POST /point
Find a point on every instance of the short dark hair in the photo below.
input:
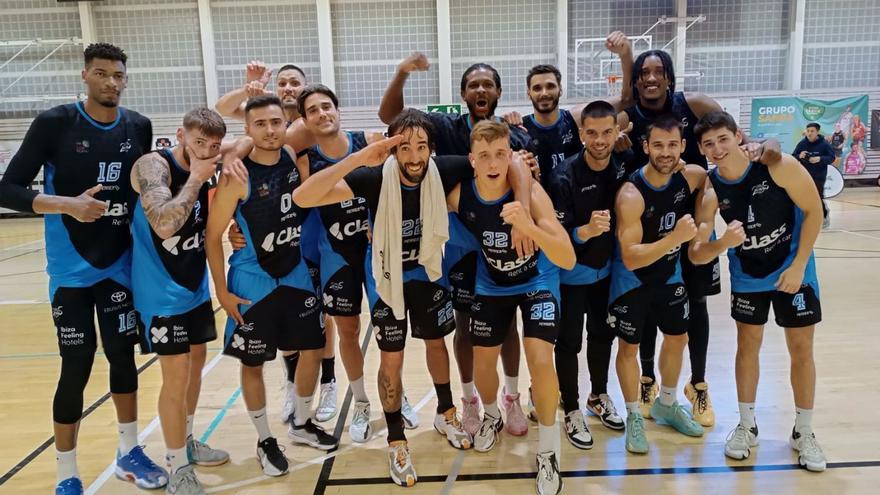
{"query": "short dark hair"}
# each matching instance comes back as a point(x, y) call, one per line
point(291, 67)
point(814, 124)
point(206, 120)
point(479, 66)
point(262, 101)
point(715, 119)
point(668, 68)
point(104, 51)
point(411, 119)
point(666, 122)
point(312, 89)
point(543, 69)
point(597, 110)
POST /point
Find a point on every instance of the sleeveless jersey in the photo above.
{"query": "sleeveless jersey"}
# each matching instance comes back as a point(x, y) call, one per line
point(452, 134)
point(677, 106)
point(555, 143)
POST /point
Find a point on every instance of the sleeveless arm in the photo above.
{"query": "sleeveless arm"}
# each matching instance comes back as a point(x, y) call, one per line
point(629, 207)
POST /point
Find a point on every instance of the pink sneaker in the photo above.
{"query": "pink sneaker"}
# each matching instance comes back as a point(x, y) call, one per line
point(470, 415)
point(515, 418)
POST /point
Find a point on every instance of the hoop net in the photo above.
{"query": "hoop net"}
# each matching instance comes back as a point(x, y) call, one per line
point(614, 84)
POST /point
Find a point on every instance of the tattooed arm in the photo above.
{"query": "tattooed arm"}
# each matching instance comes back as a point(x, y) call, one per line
point(151, 178)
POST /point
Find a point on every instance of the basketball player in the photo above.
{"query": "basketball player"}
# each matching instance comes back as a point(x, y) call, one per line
point(653, 221)
point(289, 83)
point(583, 188)
point(481, 90)
point(505, 282)
point(170, 282)
point(270, 297)
point(87, 150)
point(774, 216)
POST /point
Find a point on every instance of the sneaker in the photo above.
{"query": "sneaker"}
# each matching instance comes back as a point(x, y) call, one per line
point(517, 425)
point(487, 435)
point(825, 224)
point(184, 482)
point(312, 435)
point(577, 431)
point(604, 409)
point(70, 486)
point(470, 415)
point(410, 418)
point(360, 429)
point(271, 458)
point(289, 402)
point(201, 454)
point(549, 481)
point(701, 404)
point(648, 392)
point(327, 402)
point(677, 417)
point(400, 464)
point(448, 425)
point(530, 407)
point(740, 442)
point(636, 441)
point(139, 469)
point(810, 454)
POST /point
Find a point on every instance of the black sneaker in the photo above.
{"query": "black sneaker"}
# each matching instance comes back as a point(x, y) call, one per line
point(312, 435)
point(271, 458)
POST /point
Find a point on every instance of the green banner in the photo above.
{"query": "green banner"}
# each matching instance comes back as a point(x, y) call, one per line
point(456, 109)
point(842, 124)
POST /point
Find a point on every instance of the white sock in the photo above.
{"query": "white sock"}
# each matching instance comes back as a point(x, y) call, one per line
point(468, 391)
point(128, 437)
point(511, 385)
point(633, 408)
point(492, 410)
point(358, 394)
point(66, 465)
point(747, 414)
point(667, 395)
point(261, 423)
point(548, 439)
point(177, 459)
point(803, 420)
point(189, 425)
point(303, 410)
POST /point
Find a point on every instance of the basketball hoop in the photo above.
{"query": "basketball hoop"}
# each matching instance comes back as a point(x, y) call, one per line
point(614, 83)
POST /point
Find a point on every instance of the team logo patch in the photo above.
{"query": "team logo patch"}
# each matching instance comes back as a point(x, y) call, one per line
point(328, 300)
point(310, 302)
point(438, 295)
point(611, 321)
point(679, 291)
point(118, 297)
point(680, 196)
point(760, 188)
point(159, 335)
point(263, 190)
point(337, 285)
point(57, 311)
point(471, 216)
point(380, 313)
point(82, 146)
point(247, 327)
point(237, 342)
point(125, 146)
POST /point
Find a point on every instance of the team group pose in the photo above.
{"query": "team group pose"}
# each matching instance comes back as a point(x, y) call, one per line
point(599, 216)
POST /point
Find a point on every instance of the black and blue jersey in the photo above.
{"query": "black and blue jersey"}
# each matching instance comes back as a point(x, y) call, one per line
point(678, 107)
point(555, 143)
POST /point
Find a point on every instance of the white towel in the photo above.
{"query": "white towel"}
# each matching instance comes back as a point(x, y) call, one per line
point(388, 236)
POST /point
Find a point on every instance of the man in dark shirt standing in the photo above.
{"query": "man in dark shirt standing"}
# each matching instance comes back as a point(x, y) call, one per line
point(815, 154)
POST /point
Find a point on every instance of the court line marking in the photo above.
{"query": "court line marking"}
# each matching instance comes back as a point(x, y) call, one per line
point(19, 246)
point(861, 235)
point(454, 471)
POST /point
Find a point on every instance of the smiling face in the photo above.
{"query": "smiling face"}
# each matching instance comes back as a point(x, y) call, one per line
point(481, 93)
point(544, 92)
point(288, 85)
point(652, 83)
point(266, 126)
point(599, 135)
point(320, 115)
point(720, 144)
point(664, 149)
point(105, 80)
point(412, 155)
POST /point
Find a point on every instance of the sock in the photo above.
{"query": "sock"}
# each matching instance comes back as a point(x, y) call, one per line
point(394, 420)
point(633, 408)
point(290, 363)
point(667, 395)
point(468, 391)
point(747, 414)
point(444, 397)
point(176, 459)
point(492, 410)
point(511, 385)
point(548, 439)
point(189, 425)
point(357, 390)
point(303, 410)
point(66, 465)
point(128, 437)
point(261, 423)
point(328, 370)
point(803, 420)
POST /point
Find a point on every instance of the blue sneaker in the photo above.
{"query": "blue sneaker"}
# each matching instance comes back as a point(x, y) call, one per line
point(636, 440)
point(139, 469)
point(70, 486)
point(677, 417)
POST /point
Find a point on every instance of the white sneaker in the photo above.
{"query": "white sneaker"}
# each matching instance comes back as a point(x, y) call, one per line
point(400, 464)
point(740, 442)
point(272, 458)
point(360, 429)
point(327, 402)
point(289, 402)
point(810, 454)
point(487, 436)
point(448, 425)
point(410, 418)
point(549, 481)
point(577, 431)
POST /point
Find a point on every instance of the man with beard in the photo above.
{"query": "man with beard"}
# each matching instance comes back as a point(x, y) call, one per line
point(481, 90)
point(289, 83)
point(269, 297)
point(583, 188)
point(653, 222)
point(88, 149)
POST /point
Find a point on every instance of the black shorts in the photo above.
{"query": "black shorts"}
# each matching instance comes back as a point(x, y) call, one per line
point(172, 335)
point(700, 280)
point(491, 317)
point(463, 279)
point(667, 304)
point(790, 310)
point(343, 292)
point(429, 307)
point(288, 319)
point(74, 308)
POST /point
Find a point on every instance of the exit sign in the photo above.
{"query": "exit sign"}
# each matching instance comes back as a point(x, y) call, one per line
point(455, 109)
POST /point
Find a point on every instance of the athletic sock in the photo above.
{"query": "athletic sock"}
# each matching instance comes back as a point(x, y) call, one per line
point(65, 463)
point(803, 420)
point(189, 425)
point(667, 395)
point(128, 437)
point(177, 459)
point(492, 410)
point(394, 421)
point(328, 370)
point(511, 385)
point(548, 438)
point(444, 397)
point(468, 391)
point(633, 408)
point(303, 410)
point(261, 423)
point(290, 363)
point(357, 390)
point(747, 414)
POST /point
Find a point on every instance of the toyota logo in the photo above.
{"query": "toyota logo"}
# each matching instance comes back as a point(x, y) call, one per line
point(118, 297)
